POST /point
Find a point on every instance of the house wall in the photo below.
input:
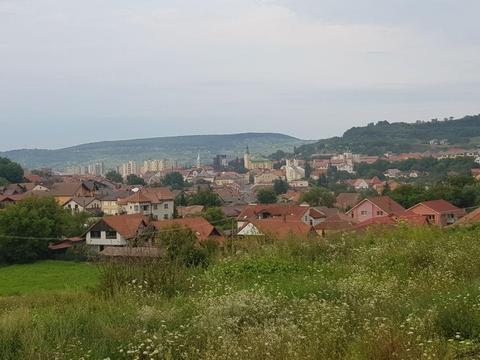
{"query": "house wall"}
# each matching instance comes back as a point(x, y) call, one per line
point(103, 241)
point(249, 230)
point(158, 211)
point(436, 218)
point(110, 207)
point(366, 211)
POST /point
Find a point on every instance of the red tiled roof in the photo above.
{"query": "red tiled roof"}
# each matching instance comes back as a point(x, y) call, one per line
point(336, 222)
point(152, 195)
point(386, 204)
point(439, 206)
point(471, 218)
point(290, 212)
point(126, 225)
point(202, 229)
point(281, 228)
point(392, 220)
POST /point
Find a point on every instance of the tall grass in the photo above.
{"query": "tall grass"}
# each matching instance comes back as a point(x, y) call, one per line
point(407, 293)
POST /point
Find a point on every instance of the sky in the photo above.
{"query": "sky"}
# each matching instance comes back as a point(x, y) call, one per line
point(73, 72)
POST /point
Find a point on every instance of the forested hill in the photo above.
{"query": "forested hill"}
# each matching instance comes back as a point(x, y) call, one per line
point(376, 139)
point(181, 148)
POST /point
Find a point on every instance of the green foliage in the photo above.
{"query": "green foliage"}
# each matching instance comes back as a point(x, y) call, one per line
point(114, 177)
point(47, 276)
point(206, 198)
point(10, 171)
point(3, 181)
point(135, 180)
point(436, 169)
point(280, 186)
point(174, 180)
point(407, 293)
point(461, 191)
point(265, 196)
point(28, 227)
point(377, 139)
point(319, 197)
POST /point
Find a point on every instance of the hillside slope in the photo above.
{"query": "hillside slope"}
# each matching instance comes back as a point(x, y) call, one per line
point(181, 148)
point(376, 139)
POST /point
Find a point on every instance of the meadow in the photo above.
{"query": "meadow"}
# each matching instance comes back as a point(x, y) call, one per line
point(395, 294)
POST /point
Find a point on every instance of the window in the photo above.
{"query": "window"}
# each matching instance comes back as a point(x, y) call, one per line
point(135, 208)
point(165, 216)
point(145, 207)
point(379, 213)
point(155, 207)
point(165, 206)
point(95, 234)
point(363, 212)
point(111, 234)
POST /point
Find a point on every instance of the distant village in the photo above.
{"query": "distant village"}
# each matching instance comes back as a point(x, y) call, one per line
point(124, 210)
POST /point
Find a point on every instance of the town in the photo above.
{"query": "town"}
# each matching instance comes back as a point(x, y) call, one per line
point(250, 197)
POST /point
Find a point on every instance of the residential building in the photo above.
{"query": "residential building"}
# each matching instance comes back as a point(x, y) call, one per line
point(202, 229)
point(82, 204)
point(115, 231)
point(335, 224)
point(129, 168)
point(268, 177)
point(303, 213)
point(277, 228)
point(373, 207)
point(438, 212)
point(157, 203)
point(345, 201)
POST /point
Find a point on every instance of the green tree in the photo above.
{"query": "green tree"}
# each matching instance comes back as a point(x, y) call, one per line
point(280, 186)
point(114, 177)
point(10, 171)
point(206, 198)
point(266, 196)
point(28, 227)
point(174, 180)
point(135, 180)
point(319, 197)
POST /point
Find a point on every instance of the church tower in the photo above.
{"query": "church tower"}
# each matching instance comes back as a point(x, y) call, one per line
point(246, 159)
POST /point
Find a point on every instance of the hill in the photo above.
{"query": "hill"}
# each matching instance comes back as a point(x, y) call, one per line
point(379, 138)
point(181, 148)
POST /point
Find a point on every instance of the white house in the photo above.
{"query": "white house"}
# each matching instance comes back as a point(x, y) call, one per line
point(155, 202)
point(114, 231)
point(81, 204)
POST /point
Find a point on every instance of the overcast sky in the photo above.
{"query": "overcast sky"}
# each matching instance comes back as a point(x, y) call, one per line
point(82, 71)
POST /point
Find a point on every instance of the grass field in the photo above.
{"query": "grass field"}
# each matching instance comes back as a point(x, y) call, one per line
point(402, 294)
point(45, 276)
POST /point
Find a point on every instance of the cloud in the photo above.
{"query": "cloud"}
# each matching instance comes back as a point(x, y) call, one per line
point(169, 67)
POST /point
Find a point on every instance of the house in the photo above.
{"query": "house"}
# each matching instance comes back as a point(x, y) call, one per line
point(346, 201)
point(476, 174)
point(438, 212)
point(66, 244)
point(81, 204)
point(392, 220)
point(372, 207)
point(303, 213)
point(157, 203)
point(109, 201)
point(190, 211)
point(335, 224)
point(278, 228)
point(202, 229)
point(360, 185)
point(117, 230)
point(470, 219)
point(268, 177)
point(64, 191)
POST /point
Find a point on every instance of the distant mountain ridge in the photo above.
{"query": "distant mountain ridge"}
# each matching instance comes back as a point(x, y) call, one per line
point(181, 148)
point(382, 137)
